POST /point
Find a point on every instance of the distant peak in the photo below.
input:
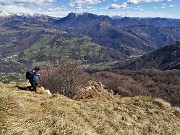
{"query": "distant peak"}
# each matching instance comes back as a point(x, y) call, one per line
point(72, 14)
point(85, 14)
point(126, 18)
point(4, 13)
point(81, 14)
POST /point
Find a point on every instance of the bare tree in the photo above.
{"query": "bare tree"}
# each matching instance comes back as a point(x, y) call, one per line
point(63, 79)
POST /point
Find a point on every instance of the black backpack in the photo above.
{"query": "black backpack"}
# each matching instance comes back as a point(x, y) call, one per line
point(28, 74)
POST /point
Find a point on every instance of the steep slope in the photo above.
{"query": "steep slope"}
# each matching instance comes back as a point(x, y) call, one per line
point(164, 58)
point(119, 39)
point(131, 36)
point(30, 113)
point(157, 36)
point(84, 20)
point(154, 83)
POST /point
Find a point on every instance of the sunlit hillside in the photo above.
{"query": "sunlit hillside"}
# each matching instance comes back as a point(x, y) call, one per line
point(92, 112)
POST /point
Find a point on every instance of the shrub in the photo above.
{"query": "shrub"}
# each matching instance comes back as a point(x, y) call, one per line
point(122, 85)
point(63, 79)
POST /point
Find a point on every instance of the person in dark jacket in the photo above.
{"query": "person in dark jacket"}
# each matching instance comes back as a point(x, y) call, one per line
point(33, 78)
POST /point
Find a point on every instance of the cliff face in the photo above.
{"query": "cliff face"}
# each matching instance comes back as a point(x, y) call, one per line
point(34, 113)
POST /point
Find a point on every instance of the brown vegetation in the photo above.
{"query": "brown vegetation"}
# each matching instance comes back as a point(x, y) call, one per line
point(63, 79)
point(29, 113)
point(69, 78)
point(154, 83)
point(121, 85)
point(161, 84)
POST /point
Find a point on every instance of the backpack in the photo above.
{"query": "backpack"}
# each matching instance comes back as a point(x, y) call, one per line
point(28, 75)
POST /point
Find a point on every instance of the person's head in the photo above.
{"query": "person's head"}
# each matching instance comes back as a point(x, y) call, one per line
point(36, 69)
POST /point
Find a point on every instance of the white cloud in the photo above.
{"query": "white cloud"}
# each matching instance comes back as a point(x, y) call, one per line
point(116, 6)
point(33, 1)
point(167, 6)
point(57, 9)
point(139, 8)
point(171, 6)
point(12, 2)
point(81, 3)
point(144, 1)
point(55, 12)
point(164, 7)
point(124, 5)
point(18, 9)
point(149, 14)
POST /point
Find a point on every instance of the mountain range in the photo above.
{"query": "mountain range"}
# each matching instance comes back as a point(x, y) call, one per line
point(133, 87)
point(28, 40)
point(131, 36)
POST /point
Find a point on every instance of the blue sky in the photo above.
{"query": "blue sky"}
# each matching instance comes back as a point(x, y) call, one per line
point(130, 8)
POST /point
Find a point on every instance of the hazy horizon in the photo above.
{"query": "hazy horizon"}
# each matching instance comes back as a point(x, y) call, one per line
point(129, 8)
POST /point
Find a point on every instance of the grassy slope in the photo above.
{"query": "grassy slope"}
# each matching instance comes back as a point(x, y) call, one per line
point(23, 112)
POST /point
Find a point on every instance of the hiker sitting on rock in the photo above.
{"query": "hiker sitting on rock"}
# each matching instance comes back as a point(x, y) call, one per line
point(31, 76)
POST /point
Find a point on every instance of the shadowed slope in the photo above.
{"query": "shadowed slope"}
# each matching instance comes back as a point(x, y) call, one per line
point(164, 58)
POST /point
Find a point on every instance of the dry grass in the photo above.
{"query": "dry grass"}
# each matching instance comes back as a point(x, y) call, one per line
point(29, 113)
